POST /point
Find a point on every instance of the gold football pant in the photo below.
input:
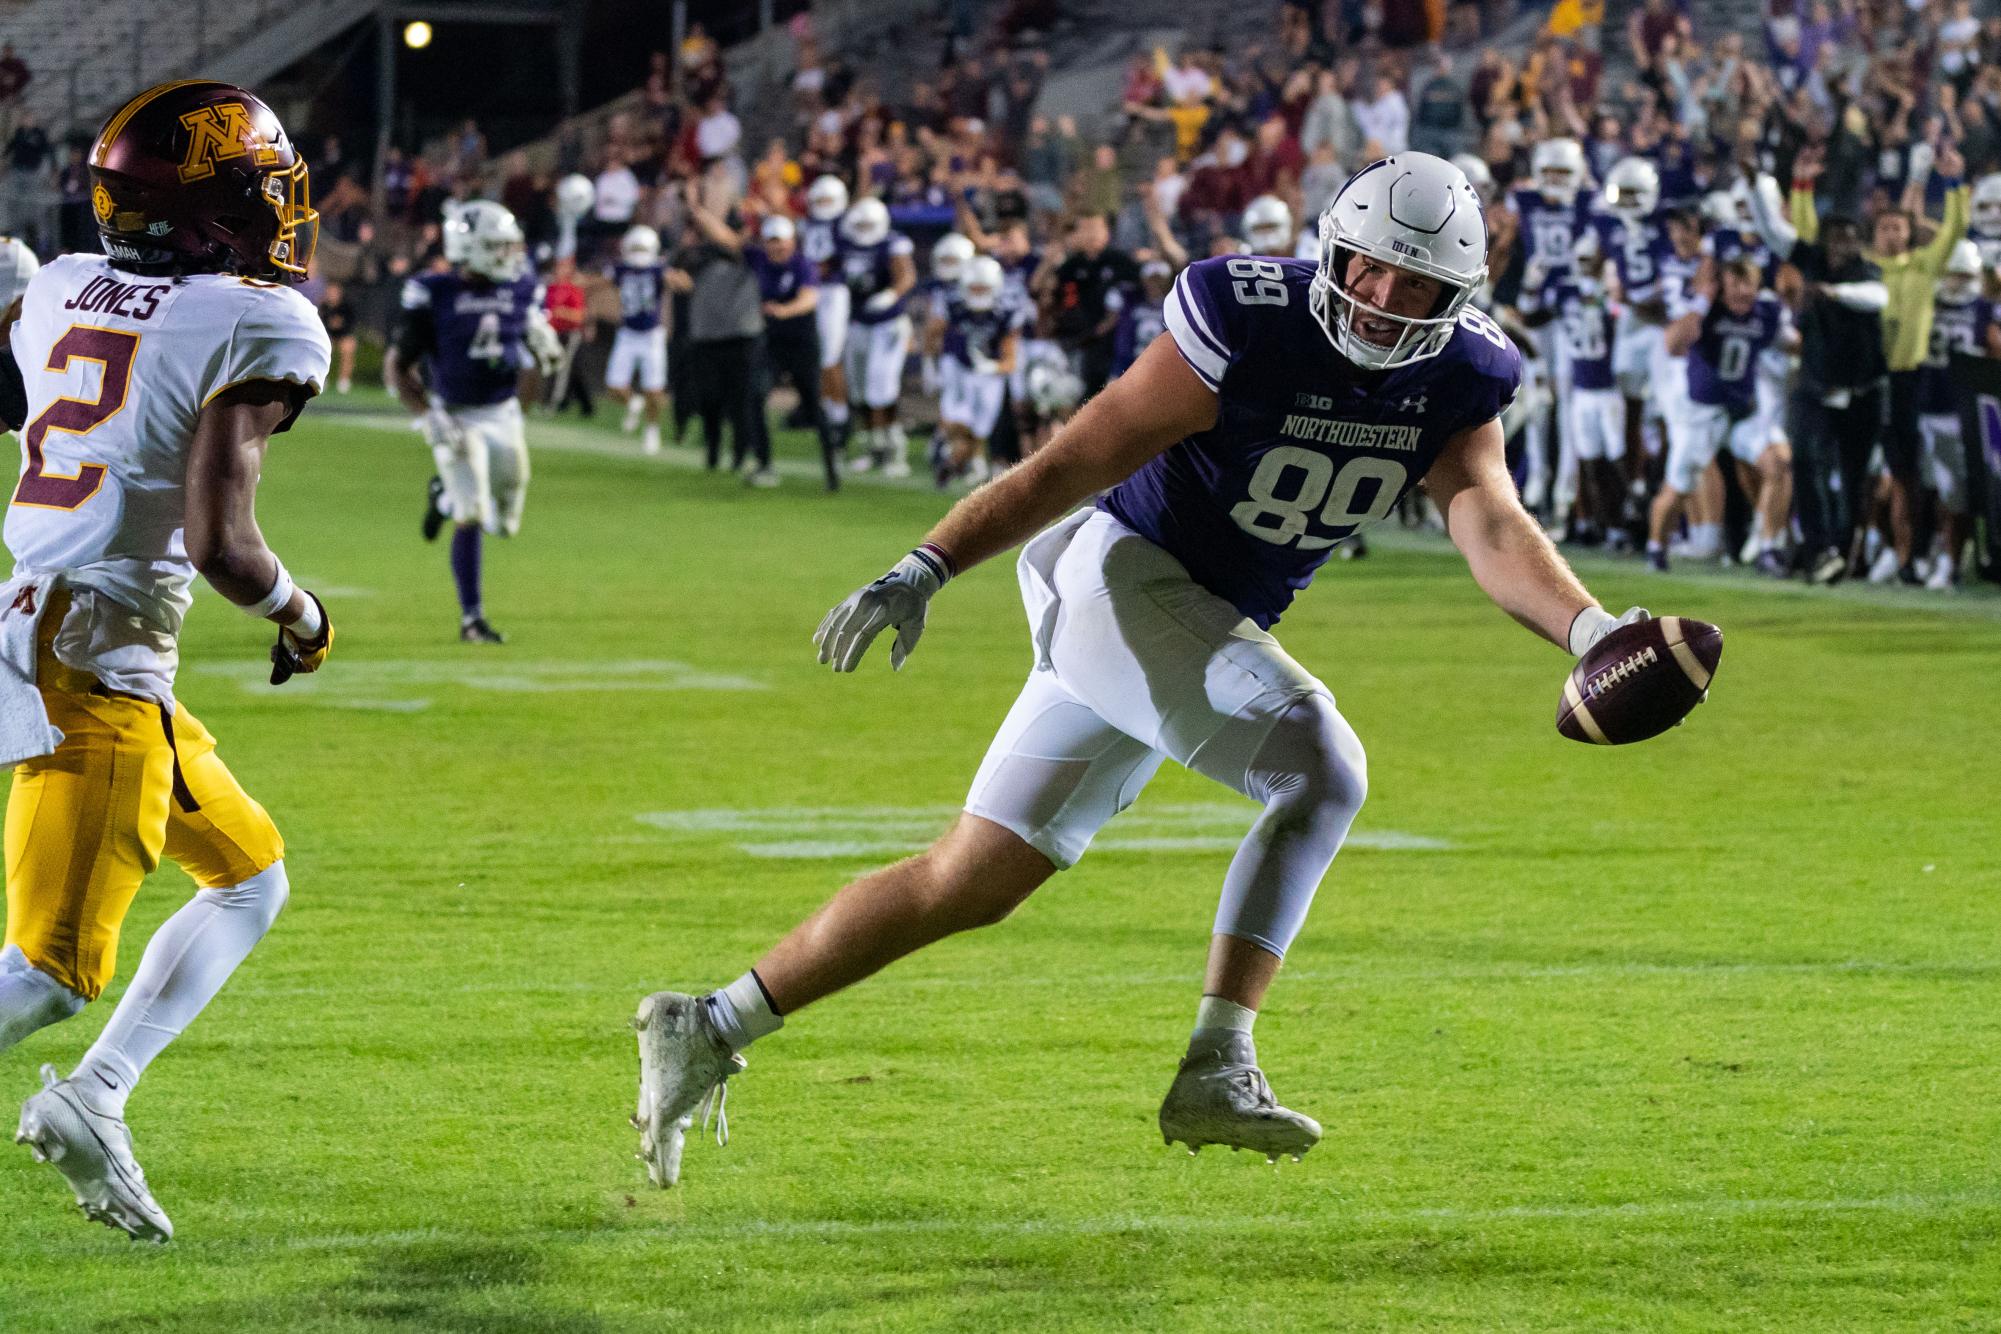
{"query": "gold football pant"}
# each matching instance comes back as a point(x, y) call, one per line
point(88, 823)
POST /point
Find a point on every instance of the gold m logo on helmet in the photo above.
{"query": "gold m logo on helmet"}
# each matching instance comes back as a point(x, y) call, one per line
point(217, 133)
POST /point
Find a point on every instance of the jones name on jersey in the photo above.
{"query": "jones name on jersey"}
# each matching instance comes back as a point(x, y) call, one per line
point(1306, 448)
point(116, 369)
point(472, 332)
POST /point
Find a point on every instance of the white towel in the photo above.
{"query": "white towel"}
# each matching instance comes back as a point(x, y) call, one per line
point(25, 730)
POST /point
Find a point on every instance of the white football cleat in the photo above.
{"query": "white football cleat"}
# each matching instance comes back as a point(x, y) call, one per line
point(94, 1153)
point(1884, 568)
point(682, 1065)
point(1221, 1097)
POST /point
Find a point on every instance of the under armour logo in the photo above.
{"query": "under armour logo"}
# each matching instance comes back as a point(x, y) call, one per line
point(1414, 403)
point(24, 602)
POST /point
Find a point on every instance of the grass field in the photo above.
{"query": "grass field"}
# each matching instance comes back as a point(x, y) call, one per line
point(1701, 1034)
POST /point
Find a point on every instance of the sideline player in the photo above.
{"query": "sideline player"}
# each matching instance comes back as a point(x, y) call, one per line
point(877, 266)
point(640, 345)
point(820, 240)
point(1960, 317)
point(477, 327)
point(1594, 414)
point(1549, 214)
point(1722, 337)
point(1289, 404)
point(156, 375)
point(981, 339)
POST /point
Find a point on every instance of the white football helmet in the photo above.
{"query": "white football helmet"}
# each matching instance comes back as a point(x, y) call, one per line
point(1987, 205)
point(574, 196)
point(1633, 188)
point(980, 288)
point(778, 227)
point(17, 266)
point(1477, 173)
point(1053, 388)
point(1722, 208)
point(639, 246)
point(1268, 226)
point(1559, 168)
point(1415, 212)
point(1960, 279)
point(827, 199)
point(950, 257)
point(483, 238)
point(866, 222)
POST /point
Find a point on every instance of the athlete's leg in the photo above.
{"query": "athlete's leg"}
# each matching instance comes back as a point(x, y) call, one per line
point(227, 842)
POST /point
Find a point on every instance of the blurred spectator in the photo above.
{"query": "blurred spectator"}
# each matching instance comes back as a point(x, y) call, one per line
point(1384, 118)
point(75, 229)
point(14, 79)
point(1090, 288)
point(567, 307)
point(25, 207)
point(1439, 123)
point(337, 314)
point(1099, 186)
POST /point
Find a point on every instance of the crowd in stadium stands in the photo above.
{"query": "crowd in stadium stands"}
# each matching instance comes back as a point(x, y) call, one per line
point(1647, 191)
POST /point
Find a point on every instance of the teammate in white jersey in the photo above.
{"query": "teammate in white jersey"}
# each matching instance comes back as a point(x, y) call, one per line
point(155, 376)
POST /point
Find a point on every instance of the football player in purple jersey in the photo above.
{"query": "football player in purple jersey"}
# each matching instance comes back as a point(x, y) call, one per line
point(1287, 404)
point(1722, 335)
point(477, 327)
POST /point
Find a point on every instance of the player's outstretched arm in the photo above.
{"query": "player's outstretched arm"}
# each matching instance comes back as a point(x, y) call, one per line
point(1511, 559)
point(1154, 405)
point(223, 540)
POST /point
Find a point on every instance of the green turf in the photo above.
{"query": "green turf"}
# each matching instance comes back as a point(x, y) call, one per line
point(1699, 1034)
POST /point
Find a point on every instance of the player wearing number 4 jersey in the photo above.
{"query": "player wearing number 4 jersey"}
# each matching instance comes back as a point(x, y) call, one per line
point(1287, 404)
point(155, 375)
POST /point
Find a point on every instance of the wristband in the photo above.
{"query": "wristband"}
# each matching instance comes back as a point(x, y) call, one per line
point(1586, 626)
point(280, 594)
point(935, 559)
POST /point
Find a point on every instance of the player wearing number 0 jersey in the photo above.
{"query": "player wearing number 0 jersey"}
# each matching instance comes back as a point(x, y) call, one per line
point(1286, 405)
point(154, 376)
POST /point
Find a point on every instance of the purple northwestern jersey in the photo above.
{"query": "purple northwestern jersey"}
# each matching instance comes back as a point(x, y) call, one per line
point(1722, 366)
point(642, 290)
point(1677, 281)
point(868, 270)
point(1549, 227)
point(820, 243)
point(1016, 275)
point(973, 333)
point(1306, 447)
point(1139, 324)
point(1585, 318)
point(1728, 243)
point(471, 332)
point(932, 298)
point(1957, 326)
point(1636, 249)
point(777, 282)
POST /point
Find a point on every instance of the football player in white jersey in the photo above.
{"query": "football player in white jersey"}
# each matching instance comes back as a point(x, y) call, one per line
point(1984, 220)
point(155, 376)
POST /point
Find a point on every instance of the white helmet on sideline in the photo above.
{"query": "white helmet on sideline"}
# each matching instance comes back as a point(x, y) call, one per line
point(1558, 166)
point(1960, 278)
point(1414, 212)
point(483, 238)
point(1268, 226)
point(866, 222)
point(574, 196)
point(826, 199)
point(1986, 214)
point(639, 246)
point(1477, 174)
point(980, 288)
point(1633, 188)
point(18, 266)
point(777, 227)
point(950, 257)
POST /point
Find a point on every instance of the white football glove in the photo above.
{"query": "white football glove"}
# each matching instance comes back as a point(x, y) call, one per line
point(985, 365)
point(897, 599)
point(928, 376)
point(1594, 623)
point(881, 301)
point(545, 345)
point(441, 431)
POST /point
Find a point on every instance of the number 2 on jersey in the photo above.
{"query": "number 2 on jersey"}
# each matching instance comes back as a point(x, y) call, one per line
point(111, 349)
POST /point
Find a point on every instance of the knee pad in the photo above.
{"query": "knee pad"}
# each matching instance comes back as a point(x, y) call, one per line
point(1312, 766)
point(264, 894)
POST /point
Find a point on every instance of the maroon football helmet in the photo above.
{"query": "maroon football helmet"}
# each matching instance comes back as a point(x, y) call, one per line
point(199, 176)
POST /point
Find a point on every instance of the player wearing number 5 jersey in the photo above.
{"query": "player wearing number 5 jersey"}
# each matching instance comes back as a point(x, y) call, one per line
point(1286, 405)
point(154, 377)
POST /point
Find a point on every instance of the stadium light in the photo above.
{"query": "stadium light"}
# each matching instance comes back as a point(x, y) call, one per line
point(417, 35)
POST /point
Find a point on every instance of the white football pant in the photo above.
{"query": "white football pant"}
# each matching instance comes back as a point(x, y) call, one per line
point(875, 355)
point(638, 350)
point(486, 473)
point(1136, 663)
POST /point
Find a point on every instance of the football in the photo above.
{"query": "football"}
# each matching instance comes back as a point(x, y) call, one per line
point(1639, 681)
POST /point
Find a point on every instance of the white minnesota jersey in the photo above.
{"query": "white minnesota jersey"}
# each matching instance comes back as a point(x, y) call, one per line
point(117, 368)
